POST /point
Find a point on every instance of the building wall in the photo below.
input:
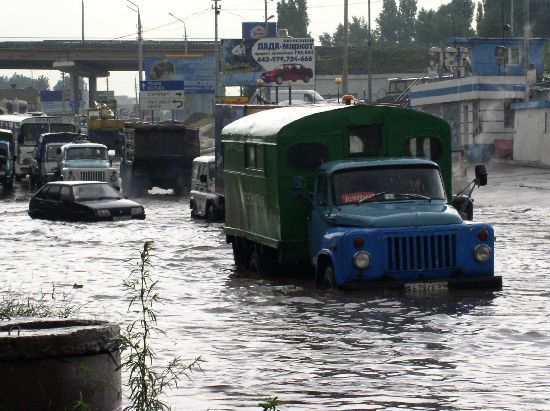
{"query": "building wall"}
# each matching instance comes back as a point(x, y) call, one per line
point(532, 135)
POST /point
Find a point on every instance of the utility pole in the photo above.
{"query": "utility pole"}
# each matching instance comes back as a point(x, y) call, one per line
point(265, 15)
point(216, 9)
point(82, 21)
point(345, 57)
point(184, 31)
point(512, 19)
point(140, 40)
point(369, 56)
point(526, 38)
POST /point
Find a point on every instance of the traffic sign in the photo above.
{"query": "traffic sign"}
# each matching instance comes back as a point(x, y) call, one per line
point(161, 95)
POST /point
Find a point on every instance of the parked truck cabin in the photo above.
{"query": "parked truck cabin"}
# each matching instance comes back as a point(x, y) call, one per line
point(273, 155)
point(26, 129)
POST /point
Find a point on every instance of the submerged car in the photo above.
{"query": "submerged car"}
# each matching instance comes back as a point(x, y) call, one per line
point(83, 201)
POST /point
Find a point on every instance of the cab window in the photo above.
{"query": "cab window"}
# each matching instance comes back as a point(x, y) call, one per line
point(322, 190)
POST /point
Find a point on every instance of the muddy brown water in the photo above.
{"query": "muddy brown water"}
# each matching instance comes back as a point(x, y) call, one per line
point(314, 350)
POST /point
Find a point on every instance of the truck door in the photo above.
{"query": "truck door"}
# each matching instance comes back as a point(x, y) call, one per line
point(317, 224)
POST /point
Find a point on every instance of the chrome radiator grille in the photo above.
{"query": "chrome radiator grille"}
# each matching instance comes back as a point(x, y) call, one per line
point(92, 175)
point(421, 252)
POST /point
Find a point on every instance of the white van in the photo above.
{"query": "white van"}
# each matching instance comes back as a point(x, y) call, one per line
point(203, 199)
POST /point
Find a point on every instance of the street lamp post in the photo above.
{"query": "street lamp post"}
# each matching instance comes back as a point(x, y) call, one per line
point(216, 9)
point(184, 31)
point(140, 40)
point(338, 81)
point(82, 21)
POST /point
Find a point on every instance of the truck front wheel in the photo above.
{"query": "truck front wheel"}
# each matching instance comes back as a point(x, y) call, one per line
point(326, 278)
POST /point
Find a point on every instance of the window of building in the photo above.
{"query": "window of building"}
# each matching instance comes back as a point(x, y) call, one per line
point(307, 156)
point(366, 140)
point(508, 114)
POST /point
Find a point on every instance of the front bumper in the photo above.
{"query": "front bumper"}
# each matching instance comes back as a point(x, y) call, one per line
point(486, 283)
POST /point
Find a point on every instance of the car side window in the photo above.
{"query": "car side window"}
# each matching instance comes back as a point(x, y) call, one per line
point(65, 194)
point(53, 193)
point(42, 193)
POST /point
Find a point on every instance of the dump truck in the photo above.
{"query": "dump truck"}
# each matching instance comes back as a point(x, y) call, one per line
point(158, 155)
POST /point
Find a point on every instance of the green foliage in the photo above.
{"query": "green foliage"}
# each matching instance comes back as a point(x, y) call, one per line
point(497, 13)
point(358, 34)
point(40, 83)
point(270, 404)
point(292, 15)
point(388, 23)
point(454, 19)
point(147, 382)
point(40, 304)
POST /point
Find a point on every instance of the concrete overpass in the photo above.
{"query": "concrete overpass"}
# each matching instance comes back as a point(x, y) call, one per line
point(91, 58)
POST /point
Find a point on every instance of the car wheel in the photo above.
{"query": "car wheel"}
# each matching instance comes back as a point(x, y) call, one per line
point(306, 79)
point(279, 80)
point(327, 278)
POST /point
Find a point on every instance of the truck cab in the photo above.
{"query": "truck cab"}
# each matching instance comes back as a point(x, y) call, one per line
point(7, 165)
point(389, 220)
point(44, 165)
point(85, 161)
point(203, 200)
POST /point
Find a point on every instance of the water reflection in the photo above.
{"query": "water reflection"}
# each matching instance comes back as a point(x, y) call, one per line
point(280, 336)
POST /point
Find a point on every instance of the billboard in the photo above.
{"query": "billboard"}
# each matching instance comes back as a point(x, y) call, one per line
point(256, 29)
point(197, 72)
point(276, 61)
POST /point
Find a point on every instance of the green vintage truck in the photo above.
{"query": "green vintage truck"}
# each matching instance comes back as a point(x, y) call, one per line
point(325, 186)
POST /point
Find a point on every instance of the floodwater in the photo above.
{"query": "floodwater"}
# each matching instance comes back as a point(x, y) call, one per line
point(314, 350)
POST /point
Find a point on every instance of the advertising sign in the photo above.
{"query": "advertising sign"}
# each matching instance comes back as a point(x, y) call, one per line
point(234, 100)
point(161, 95)
point(276, 61)
point(196, 71)
point(256, 29)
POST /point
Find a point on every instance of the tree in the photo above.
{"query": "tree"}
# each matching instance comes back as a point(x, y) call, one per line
point(433, 28)
point(388, 22)
point(358, 34)
point(292, 15)
point(407, 12)
point(20, 81)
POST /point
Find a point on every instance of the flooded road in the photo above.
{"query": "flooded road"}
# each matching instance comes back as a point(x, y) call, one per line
point(312, 349)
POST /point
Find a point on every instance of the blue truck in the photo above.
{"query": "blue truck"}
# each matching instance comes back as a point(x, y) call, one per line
point(361, 195)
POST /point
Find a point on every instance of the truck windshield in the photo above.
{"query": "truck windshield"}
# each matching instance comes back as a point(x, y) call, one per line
point(383, 184)
point(87, 153)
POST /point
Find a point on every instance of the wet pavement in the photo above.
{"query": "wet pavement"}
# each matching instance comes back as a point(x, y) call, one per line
point(314, 350)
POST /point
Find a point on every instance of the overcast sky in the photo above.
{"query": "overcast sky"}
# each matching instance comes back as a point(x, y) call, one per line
point(112, 19)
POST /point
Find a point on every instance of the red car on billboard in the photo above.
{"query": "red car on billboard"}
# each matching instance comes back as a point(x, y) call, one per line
point(287, 72)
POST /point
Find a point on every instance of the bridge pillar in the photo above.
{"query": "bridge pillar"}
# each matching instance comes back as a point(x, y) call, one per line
point(92, 85)
point(75, 92)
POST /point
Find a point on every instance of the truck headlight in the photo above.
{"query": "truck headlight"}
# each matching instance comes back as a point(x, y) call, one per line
point(103, 213)
point(137, 211)
point(71, 176)
point(361, 260)
point(114, 177)
point(482, 253)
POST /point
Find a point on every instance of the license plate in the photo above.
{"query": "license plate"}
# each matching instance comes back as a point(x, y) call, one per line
point(427, 287)
point(122, 218)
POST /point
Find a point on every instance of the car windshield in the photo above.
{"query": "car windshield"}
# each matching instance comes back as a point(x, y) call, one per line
point(91, 192)
point(87, 153)
point(384, 184)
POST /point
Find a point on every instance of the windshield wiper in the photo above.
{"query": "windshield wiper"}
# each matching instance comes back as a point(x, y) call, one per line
point(372, 196)
point(414, 195)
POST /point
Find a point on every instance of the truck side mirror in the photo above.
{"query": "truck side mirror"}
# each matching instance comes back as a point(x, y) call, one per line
point(58, 151)
point(203, 178)
point(481, 175)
